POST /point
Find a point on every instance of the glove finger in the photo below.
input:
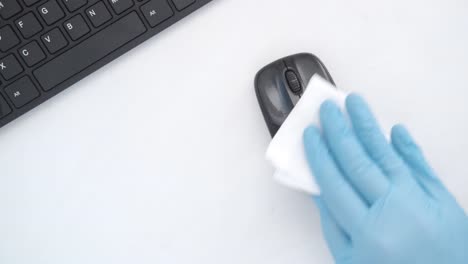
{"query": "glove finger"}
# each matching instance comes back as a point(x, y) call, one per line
point(337, 240)
point(341, 199)
point(359, 168)
point(370, 135)
point(405, 145)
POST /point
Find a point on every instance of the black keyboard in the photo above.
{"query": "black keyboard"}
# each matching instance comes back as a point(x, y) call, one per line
point(48, 45)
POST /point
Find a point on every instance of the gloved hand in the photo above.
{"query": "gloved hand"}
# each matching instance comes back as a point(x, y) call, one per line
point(381, 202)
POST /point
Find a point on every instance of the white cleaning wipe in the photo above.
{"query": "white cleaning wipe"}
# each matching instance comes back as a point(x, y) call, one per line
point(286, 150)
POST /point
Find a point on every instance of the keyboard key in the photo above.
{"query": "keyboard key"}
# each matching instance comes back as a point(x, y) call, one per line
point(54, 40)
point(30, 2)
point(28, 25)
point(32, 53)
point(76, 27)
point(8, 38)
point(51, 12)
point(10, 67)
point(89, 51)
point(156, 11)
point(21, 92)
point(98, 14)
point(120, 6)
point(73, 5)
point(9, 8)
point(182, 4)
point(4, 107)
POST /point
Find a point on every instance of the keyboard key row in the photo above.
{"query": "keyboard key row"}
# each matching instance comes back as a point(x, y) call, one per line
point(52, 12)
point(29, 26)
point(89, 51)
point(31, 53)
point(154, 11)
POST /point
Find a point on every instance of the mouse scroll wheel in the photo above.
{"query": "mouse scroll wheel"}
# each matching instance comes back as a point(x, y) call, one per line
point(293, 82)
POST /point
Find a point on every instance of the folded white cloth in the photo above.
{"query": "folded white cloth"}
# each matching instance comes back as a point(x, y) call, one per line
point(286, 150)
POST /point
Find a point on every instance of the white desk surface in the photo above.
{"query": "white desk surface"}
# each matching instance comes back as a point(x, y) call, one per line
point(158, 157)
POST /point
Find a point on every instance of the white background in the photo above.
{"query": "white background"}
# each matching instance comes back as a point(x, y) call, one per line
point(158, 157)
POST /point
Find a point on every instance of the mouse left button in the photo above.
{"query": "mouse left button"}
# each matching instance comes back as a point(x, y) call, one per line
point(293, 82)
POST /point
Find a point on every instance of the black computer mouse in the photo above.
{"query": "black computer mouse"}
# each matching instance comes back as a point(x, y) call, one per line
point(280, 84)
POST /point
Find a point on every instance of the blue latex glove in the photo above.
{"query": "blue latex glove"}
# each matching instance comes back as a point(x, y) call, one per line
point(381, 202)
